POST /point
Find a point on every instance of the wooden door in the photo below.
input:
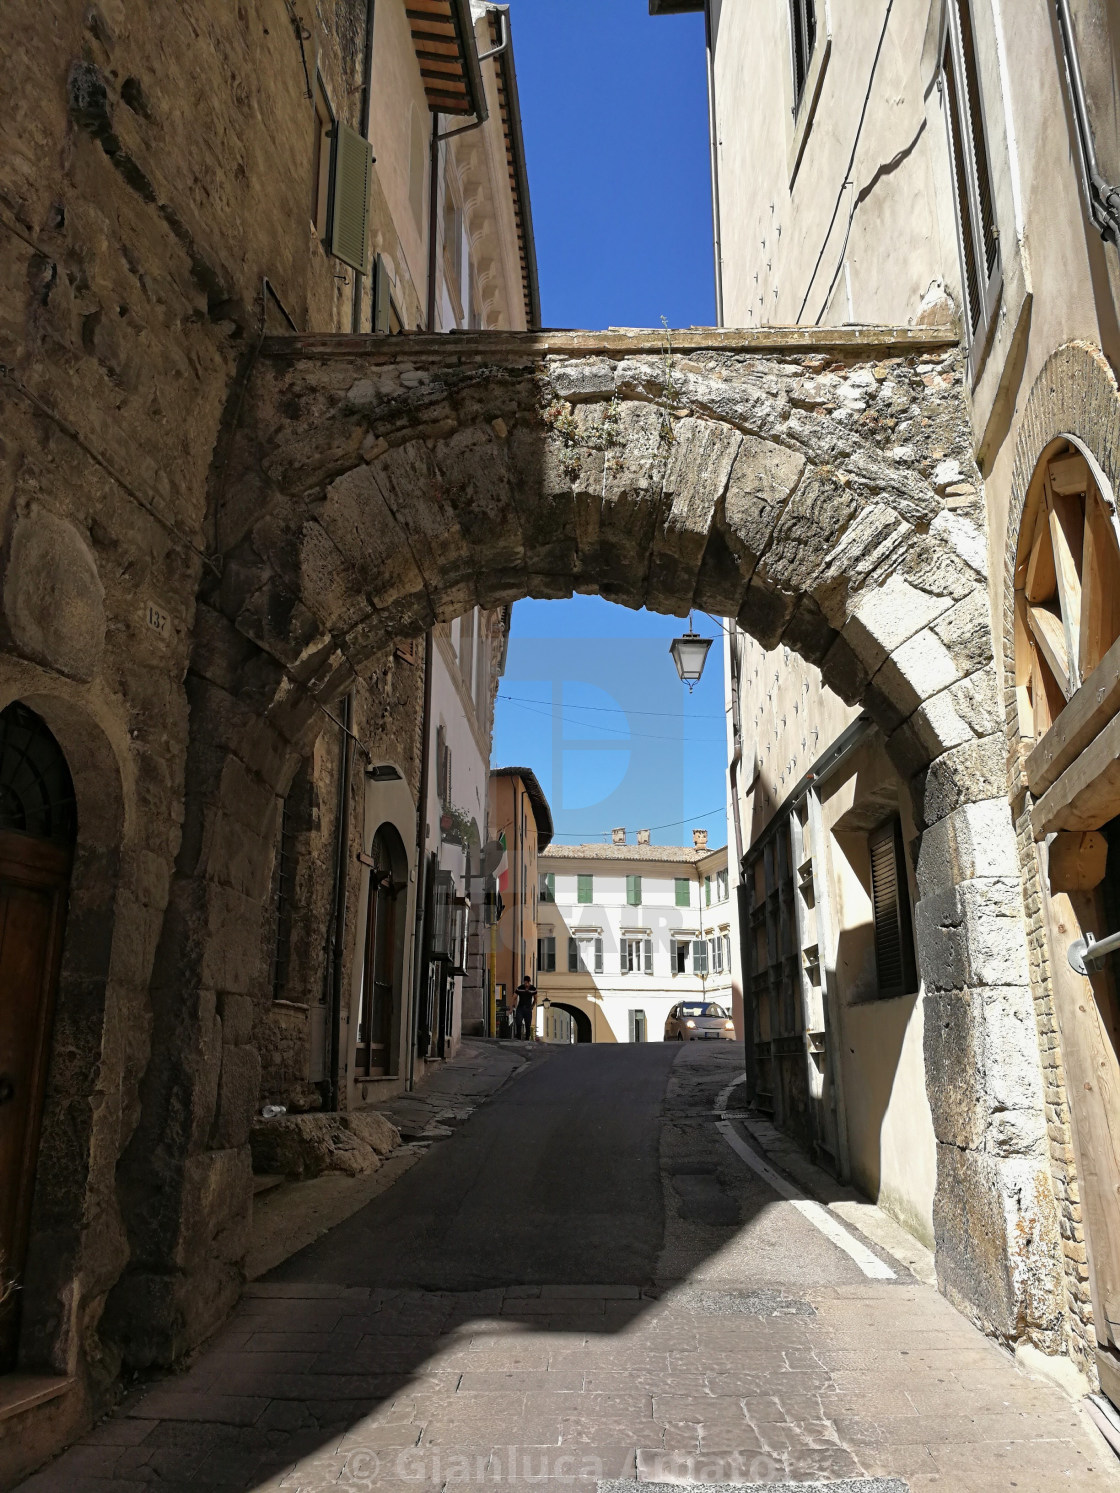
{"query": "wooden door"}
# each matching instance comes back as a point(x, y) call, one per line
point(34, 874)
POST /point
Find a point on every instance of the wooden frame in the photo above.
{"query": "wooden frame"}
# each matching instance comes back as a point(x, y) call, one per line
point(1067, 593)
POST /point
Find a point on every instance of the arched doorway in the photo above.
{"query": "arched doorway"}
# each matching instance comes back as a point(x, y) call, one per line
point(383, 964)
point(580, 1018)
point(38, 825)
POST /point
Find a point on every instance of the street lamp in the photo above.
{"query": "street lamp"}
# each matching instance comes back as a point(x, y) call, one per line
point(690, 653)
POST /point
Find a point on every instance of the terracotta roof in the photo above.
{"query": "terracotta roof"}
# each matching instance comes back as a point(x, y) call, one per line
point(682, 854)
point(443, 36)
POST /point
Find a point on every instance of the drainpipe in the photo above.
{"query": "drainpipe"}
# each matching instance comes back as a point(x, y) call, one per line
point(713, 145)
point(363, 130)
point(1102, 198)
point(341, 888)
point(421, 861)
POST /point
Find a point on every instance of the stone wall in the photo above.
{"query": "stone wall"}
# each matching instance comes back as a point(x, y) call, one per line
point(155, 171)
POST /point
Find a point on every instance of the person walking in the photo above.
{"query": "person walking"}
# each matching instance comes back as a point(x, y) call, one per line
point(526, 994)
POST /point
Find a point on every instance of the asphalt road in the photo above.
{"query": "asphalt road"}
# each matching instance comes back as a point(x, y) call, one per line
point(556, 1179)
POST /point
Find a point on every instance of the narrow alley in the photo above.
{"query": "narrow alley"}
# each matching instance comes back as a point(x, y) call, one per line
point(581, 1283)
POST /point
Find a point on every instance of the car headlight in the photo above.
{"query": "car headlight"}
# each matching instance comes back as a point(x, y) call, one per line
point(690, 1023)
point(729, 1026)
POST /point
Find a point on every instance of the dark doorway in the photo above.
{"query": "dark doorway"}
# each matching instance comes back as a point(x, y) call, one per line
point(384, 953)
point(37, 832)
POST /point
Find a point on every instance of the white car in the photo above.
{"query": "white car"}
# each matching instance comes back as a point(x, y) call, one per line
point(698, 1021)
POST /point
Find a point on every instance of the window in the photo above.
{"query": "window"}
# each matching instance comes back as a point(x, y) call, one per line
point(707, 891)
point(683, 889)
point(546, 954)
point(453, 237)
point(721, 885)
point(466, 649)
point(634, 891)
point(890, 897)
point(417, 164)
point(585, 888)
point(585, 954)
point(715, 954)
point(321, 160)
point(727, 952)
point(803, 36)
point(638, 1026)
point(977, 235)
point(637, 956)
point(443, 766)
point(548, 887)
point(699, 956)
point(680, 955)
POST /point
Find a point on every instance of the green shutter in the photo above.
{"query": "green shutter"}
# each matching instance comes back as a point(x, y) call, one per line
point(351, 175)
point(585, 889)
point(684, 891)
point(634, 891)
point(707, 891)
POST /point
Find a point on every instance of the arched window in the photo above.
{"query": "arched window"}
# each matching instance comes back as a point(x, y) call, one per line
point(36, 791)
point(383, 967)
point(1067, 585)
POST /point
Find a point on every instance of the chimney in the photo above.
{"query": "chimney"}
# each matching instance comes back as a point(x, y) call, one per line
point(618, 837)
point(643, 837)
point(699, 839)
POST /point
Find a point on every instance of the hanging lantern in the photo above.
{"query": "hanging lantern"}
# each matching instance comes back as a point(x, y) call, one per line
point(690, 653)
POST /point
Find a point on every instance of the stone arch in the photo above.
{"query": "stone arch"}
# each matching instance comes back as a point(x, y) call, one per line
point(1074, 398)
point(89, 1098)
point(817, 486)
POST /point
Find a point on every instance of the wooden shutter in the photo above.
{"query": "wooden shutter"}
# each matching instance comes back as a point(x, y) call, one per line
point(351, 175)
point(599, 956)
point(683, 889)
point(894, 942)
point(634, 891)
point(585, 889)
point(648, 950)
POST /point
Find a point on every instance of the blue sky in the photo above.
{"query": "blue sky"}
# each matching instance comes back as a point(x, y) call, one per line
point(615, 115)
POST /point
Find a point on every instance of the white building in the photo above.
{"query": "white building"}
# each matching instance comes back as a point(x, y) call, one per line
point(626, 931)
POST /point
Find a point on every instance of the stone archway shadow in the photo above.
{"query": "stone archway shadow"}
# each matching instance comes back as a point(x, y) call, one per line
point(815, 485)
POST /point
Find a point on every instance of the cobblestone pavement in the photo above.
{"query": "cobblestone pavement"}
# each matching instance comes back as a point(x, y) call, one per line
point(736, 1344)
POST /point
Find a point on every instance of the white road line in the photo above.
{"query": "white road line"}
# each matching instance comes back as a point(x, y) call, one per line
point(818, 1215)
